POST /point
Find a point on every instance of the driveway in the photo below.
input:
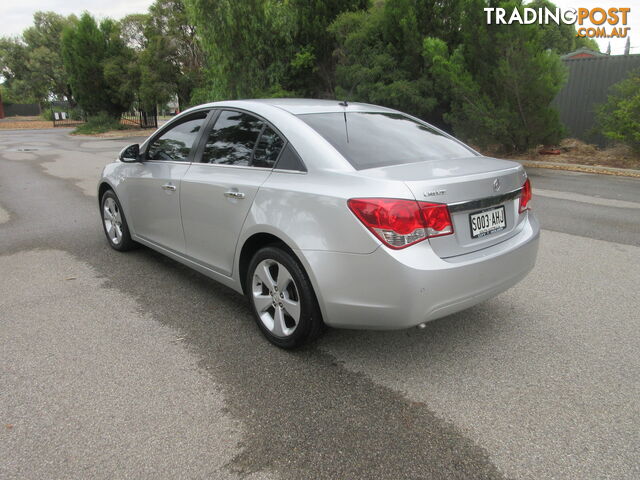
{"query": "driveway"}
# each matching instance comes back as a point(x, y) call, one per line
point(133, 366)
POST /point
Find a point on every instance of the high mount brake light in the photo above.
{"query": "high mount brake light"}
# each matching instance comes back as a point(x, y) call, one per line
point(525, 196)
point(400, 223)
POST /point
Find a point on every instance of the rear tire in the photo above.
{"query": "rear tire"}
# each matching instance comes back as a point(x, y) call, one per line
point(114, 223)
point(282, 299)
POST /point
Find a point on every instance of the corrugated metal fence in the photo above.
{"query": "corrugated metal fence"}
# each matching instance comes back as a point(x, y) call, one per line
point(588, 86)
point(19, 109)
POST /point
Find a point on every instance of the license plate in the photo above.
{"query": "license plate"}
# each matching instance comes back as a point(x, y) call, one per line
point(487, 221)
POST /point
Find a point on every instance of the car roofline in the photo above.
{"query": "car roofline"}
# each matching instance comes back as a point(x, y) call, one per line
point(296, 106)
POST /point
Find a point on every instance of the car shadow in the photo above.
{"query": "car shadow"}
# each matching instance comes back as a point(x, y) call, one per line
point(303, 414)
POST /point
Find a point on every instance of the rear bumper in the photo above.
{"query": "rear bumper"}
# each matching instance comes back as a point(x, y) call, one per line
point(395, 289)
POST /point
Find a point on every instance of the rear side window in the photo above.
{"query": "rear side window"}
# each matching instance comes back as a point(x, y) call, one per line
point(176, 143)
point(267, 149)
point(289, 160)
point(379, 139)
point(232, 139)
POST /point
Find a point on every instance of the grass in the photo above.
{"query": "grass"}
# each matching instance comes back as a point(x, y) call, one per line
point(100, 123)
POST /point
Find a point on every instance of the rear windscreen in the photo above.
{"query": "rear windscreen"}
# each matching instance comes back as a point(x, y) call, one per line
point(375, 139)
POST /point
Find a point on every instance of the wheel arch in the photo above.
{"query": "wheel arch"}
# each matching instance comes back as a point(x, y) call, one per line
point(254, 243)
point(105, 185)
point(102, 188)
point(261, 239)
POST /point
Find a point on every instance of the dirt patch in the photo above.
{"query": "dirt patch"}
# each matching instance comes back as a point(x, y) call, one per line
point(574, 167)
point(37, 123)
point(24, 123)
point(21, 118)
point(575, 151)
point(129, 132)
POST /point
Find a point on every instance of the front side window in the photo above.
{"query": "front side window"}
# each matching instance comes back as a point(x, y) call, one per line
point(232, 139)
point(176, 143)
point(379, 139)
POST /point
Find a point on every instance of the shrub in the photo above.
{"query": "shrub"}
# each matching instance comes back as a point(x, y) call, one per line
point(100, 123)
point(619, 116)
point(72, 113)
point(47, 114)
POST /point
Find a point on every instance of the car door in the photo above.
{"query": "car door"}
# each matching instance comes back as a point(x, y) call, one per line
point(218, 190)
point(154, 188)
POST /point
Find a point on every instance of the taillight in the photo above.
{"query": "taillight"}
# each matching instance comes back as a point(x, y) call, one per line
point(525, 196)
point(400, 223)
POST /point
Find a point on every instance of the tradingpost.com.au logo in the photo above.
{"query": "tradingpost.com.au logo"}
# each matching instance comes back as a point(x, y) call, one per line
point(608, 23)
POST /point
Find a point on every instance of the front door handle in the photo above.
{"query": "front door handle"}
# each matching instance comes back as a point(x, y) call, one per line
point(234, 194)
point(168, 186)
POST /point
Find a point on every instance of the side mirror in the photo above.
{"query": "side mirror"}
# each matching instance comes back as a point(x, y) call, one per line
point(130, 154)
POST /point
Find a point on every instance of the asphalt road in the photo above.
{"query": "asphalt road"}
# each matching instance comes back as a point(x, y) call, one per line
point(132, 366)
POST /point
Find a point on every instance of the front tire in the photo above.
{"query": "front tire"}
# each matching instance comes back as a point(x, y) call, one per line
point(114, 223)
point(282, 299)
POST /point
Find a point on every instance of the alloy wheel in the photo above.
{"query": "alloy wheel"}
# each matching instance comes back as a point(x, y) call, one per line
point(112, 220)
point(275, 297)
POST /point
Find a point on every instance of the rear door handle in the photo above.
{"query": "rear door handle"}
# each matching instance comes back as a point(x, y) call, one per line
point(234, 194)
point(168, 186)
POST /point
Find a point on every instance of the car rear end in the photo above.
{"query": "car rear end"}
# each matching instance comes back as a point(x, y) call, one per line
point(463, 234)
point(426, 270)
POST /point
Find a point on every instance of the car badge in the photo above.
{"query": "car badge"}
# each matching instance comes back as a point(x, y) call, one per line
point(496, 185)
point(435, 193)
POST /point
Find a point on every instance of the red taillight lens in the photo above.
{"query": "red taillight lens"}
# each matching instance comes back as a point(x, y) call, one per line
point(525, 196)
point(436, 219)
point(400, 223)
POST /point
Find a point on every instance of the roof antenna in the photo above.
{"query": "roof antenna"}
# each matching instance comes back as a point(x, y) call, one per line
point(345, 103)
point(346, 125)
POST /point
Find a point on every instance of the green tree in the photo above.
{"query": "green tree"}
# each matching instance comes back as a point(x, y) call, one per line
point(379, 53)
point(247, 45)
point(586, 42)
point(17, 77)
point(132, 28)
point(99, 66)
point(619, 116)
point(500, 81)
point(311, 70)
point(32, 64)
point(561, 38)
point(172, 61)
point(442, 62)
point(268, 47)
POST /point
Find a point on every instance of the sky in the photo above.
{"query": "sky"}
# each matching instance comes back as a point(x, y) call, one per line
point(16, 15)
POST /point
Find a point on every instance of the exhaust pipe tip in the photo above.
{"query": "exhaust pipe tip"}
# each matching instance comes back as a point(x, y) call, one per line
point(422, 326)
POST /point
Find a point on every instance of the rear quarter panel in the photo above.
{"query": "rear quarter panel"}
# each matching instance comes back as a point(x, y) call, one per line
point(310, 212)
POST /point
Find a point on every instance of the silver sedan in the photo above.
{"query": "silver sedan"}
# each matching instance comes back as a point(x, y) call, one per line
point(324, 213)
